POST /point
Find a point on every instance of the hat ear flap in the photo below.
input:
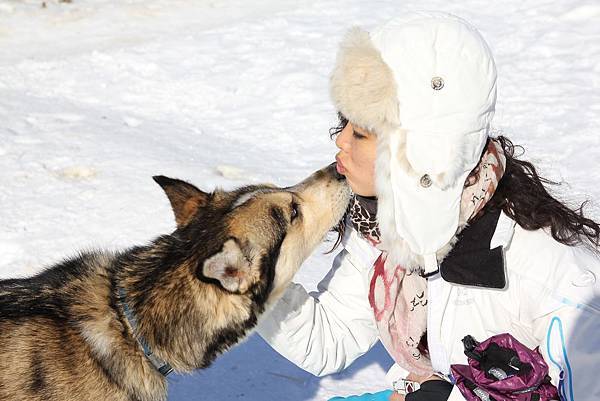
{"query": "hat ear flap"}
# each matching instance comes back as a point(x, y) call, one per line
point(230, 268)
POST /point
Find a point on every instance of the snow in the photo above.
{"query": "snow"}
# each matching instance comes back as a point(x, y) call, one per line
point(97, 96)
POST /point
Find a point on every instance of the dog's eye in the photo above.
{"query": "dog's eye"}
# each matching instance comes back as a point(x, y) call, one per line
point(295, 212)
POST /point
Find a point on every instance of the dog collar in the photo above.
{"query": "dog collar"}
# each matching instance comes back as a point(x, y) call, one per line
point(164, 368)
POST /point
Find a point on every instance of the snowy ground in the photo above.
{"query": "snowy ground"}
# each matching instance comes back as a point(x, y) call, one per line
point(96, 96)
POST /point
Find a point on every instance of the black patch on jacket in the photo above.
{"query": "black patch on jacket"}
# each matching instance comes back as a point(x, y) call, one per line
point(471, 261)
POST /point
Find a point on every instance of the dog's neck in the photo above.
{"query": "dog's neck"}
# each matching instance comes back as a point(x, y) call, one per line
point(163, 367)
point(185, 321)
point(105, 330)
point(150, 292)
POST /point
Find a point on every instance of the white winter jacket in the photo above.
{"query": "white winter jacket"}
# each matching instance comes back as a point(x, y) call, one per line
point(551, 300)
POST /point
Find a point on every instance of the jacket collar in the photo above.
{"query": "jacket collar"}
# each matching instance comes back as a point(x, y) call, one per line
point(477, 258)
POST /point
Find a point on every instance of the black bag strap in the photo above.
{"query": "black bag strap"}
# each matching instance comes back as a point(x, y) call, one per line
point(470, 344)
point(478, 391)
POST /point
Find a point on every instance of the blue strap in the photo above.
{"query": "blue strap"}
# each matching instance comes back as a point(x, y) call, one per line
point(379, 396)
point(164, 368)
point(556, 322)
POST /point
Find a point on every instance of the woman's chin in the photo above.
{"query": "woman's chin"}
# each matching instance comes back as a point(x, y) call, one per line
point(360, 190)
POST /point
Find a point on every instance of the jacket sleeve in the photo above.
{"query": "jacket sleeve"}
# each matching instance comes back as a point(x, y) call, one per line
point(566, 318)
point(324, 332)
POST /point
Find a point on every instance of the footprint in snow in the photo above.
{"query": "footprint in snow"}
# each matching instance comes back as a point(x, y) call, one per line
point(231, 172)
point(582, 13)
point(77, 173)
point(46, 121)
point(132, 122)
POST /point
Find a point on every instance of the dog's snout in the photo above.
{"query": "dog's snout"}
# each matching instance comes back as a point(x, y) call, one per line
point(332, 169)
point(327, 176)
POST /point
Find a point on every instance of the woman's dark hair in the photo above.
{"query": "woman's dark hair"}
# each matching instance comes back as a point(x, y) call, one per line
point(342, 122)
point(522, 195)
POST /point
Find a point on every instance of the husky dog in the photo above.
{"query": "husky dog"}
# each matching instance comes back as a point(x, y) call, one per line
point(109, 326)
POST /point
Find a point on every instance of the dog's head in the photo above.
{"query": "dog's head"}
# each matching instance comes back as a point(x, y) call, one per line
point(254, 239)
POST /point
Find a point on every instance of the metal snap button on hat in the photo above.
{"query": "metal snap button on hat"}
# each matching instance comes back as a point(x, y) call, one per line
point(586, 279)
point(437, 83)
point(425, 181)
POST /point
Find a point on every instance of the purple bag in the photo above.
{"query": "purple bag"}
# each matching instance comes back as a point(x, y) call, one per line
point(503, 369)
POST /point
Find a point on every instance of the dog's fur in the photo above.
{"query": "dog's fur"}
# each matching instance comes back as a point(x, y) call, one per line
point(65, 333)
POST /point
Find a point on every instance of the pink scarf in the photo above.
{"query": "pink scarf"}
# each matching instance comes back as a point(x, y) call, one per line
point(399, 298)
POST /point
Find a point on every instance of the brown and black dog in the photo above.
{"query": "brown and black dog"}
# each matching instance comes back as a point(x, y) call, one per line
point(110, 326)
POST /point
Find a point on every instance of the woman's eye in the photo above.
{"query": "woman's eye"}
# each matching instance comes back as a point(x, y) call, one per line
point(358, 135)
point(294, 213)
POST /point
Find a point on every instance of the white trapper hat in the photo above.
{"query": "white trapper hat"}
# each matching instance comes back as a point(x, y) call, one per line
point(425, 83)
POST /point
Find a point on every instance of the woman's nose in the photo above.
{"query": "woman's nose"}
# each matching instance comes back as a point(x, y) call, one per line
point(342, 140)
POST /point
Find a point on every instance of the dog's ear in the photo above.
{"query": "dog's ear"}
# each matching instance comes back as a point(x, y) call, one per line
point(230, 267)
point(185, 198)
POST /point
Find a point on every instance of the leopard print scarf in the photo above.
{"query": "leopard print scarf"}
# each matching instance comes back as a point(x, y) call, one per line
point(362, 212)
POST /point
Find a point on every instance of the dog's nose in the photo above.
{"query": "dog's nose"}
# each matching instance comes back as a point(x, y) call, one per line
point(335, 173)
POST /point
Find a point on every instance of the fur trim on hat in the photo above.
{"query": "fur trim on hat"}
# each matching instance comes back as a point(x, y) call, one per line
point(362, 85)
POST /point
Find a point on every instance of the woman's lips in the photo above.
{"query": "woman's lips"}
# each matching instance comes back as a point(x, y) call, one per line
point(339, 166)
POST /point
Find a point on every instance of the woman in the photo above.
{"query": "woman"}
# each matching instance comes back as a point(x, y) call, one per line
point(467, 240)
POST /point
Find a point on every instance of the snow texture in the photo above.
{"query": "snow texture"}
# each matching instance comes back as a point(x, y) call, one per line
point(97, 96)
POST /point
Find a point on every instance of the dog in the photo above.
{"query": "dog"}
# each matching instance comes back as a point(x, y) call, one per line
point(111, 325)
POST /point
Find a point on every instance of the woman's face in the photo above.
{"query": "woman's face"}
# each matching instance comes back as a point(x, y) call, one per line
point(356, 158)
